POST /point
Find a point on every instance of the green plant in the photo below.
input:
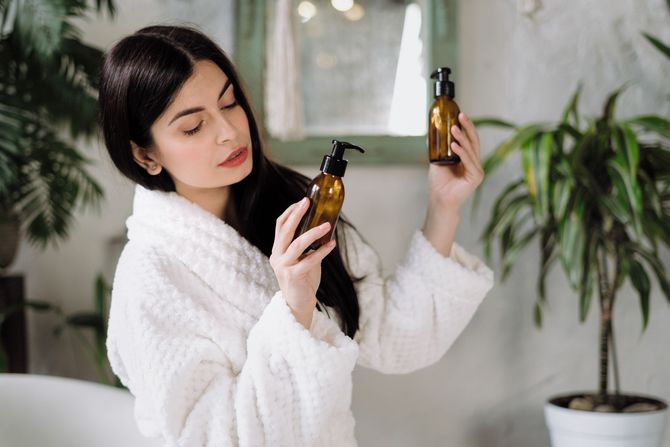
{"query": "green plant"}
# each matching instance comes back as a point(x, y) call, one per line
point(596, 192)
point(48, 81)
point(79, 323)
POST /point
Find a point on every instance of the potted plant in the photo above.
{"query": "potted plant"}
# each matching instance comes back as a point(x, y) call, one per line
point(48, 81)
point(603, 225)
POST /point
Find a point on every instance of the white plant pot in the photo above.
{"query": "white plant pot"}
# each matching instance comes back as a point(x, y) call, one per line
point(578, 428)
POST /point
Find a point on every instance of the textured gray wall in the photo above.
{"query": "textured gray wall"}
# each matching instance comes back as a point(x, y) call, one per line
point(489, 389)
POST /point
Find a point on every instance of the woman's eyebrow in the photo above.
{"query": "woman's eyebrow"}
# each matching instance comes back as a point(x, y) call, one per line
point(198, 109)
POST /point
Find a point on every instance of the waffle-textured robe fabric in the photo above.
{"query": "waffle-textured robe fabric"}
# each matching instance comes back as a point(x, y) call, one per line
point(200, 333)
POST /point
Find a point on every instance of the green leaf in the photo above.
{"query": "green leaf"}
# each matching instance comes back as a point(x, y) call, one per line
point(572, 239)
point(85, 320)
point(109, 4)
point(660, 46)
point(505, 149)
point(571, 109)
point(548, 244)
point(587, 281)
point(501, 202)
point(652, 123)
point(656, 161)
point(585, 297)
point(652, 202)
point(51, 186)
point(38, 306)
point(537, 157)
point(610, 105)
point(565, 128)
point(641, 282)
point(495, 122)
point(623, 171)
point(502, 220)
point(100, 294)
point(660, 228)
point(562, 192)
point(39, 27)
point(627, 195)
point(5, 7)
point(41, 306)
point(624, 268)
point(616, 210)
point(655, 264)
point(631, 149)
point(512, 252)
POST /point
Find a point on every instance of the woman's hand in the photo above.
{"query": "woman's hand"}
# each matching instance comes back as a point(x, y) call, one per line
point(298, 275)
point(449, 187)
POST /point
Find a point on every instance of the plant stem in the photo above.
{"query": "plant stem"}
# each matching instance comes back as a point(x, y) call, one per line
point(605, 326)
point(615, 361)
point(615, 364)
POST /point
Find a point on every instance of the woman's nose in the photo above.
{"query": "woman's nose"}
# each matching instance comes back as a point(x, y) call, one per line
point(226, 129)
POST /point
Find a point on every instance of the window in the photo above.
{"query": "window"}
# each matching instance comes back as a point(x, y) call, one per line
point(365, 73)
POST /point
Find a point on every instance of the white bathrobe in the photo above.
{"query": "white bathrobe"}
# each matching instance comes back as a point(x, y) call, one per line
point(200, 333)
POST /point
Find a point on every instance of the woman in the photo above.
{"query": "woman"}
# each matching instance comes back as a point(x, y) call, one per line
point(218, 326)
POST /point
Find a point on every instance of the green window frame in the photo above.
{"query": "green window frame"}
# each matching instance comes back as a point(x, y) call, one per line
point(250, 29)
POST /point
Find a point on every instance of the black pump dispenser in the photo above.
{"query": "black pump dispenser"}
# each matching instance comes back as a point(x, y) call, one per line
point(334, 163)
point(443, 86)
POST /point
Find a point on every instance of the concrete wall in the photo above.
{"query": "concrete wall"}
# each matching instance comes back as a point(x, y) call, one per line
point(489, 389)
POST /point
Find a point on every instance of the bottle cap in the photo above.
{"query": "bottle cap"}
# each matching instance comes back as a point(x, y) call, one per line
point(443, 86)
point(334, 163)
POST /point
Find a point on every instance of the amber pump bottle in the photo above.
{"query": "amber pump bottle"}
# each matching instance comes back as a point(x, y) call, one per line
point(442, 115)
point(326, 194)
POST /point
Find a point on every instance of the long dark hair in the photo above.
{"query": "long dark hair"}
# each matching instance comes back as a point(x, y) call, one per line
point(139, 78)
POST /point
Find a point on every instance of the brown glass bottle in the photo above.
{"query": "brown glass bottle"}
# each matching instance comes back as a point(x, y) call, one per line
point(442, 115)
point(326, 194)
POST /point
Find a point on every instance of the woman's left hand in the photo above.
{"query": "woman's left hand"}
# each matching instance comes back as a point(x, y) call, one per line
point(451, 185)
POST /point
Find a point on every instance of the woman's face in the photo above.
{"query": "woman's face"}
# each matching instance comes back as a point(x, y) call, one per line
point(201, 129)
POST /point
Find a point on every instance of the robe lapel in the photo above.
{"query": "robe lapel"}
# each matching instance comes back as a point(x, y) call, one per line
point(233, 268)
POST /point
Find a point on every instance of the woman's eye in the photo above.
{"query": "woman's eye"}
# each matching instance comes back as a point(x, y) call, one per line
point(194, 130)
point(230, 106)
point(197, 128)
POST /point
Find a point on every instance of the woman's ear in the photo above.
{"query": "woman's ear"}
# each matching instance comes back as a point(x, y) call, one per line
point(145, 159)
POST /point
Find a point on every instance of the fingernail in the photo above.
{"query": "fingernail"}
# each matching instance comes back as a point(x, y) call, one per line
point(324, 225)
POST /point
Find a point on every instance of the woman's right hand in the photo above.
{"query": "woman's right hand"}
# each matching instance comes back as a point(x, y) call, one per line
point(298, 276)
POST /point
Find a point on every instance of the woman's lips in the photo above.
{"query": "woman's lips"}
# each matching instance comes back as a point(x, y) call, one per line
point(238, 157)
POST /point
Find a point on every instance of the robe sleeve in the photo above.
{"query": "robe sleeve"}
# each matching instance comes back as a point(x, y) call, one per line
point(410, 319)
